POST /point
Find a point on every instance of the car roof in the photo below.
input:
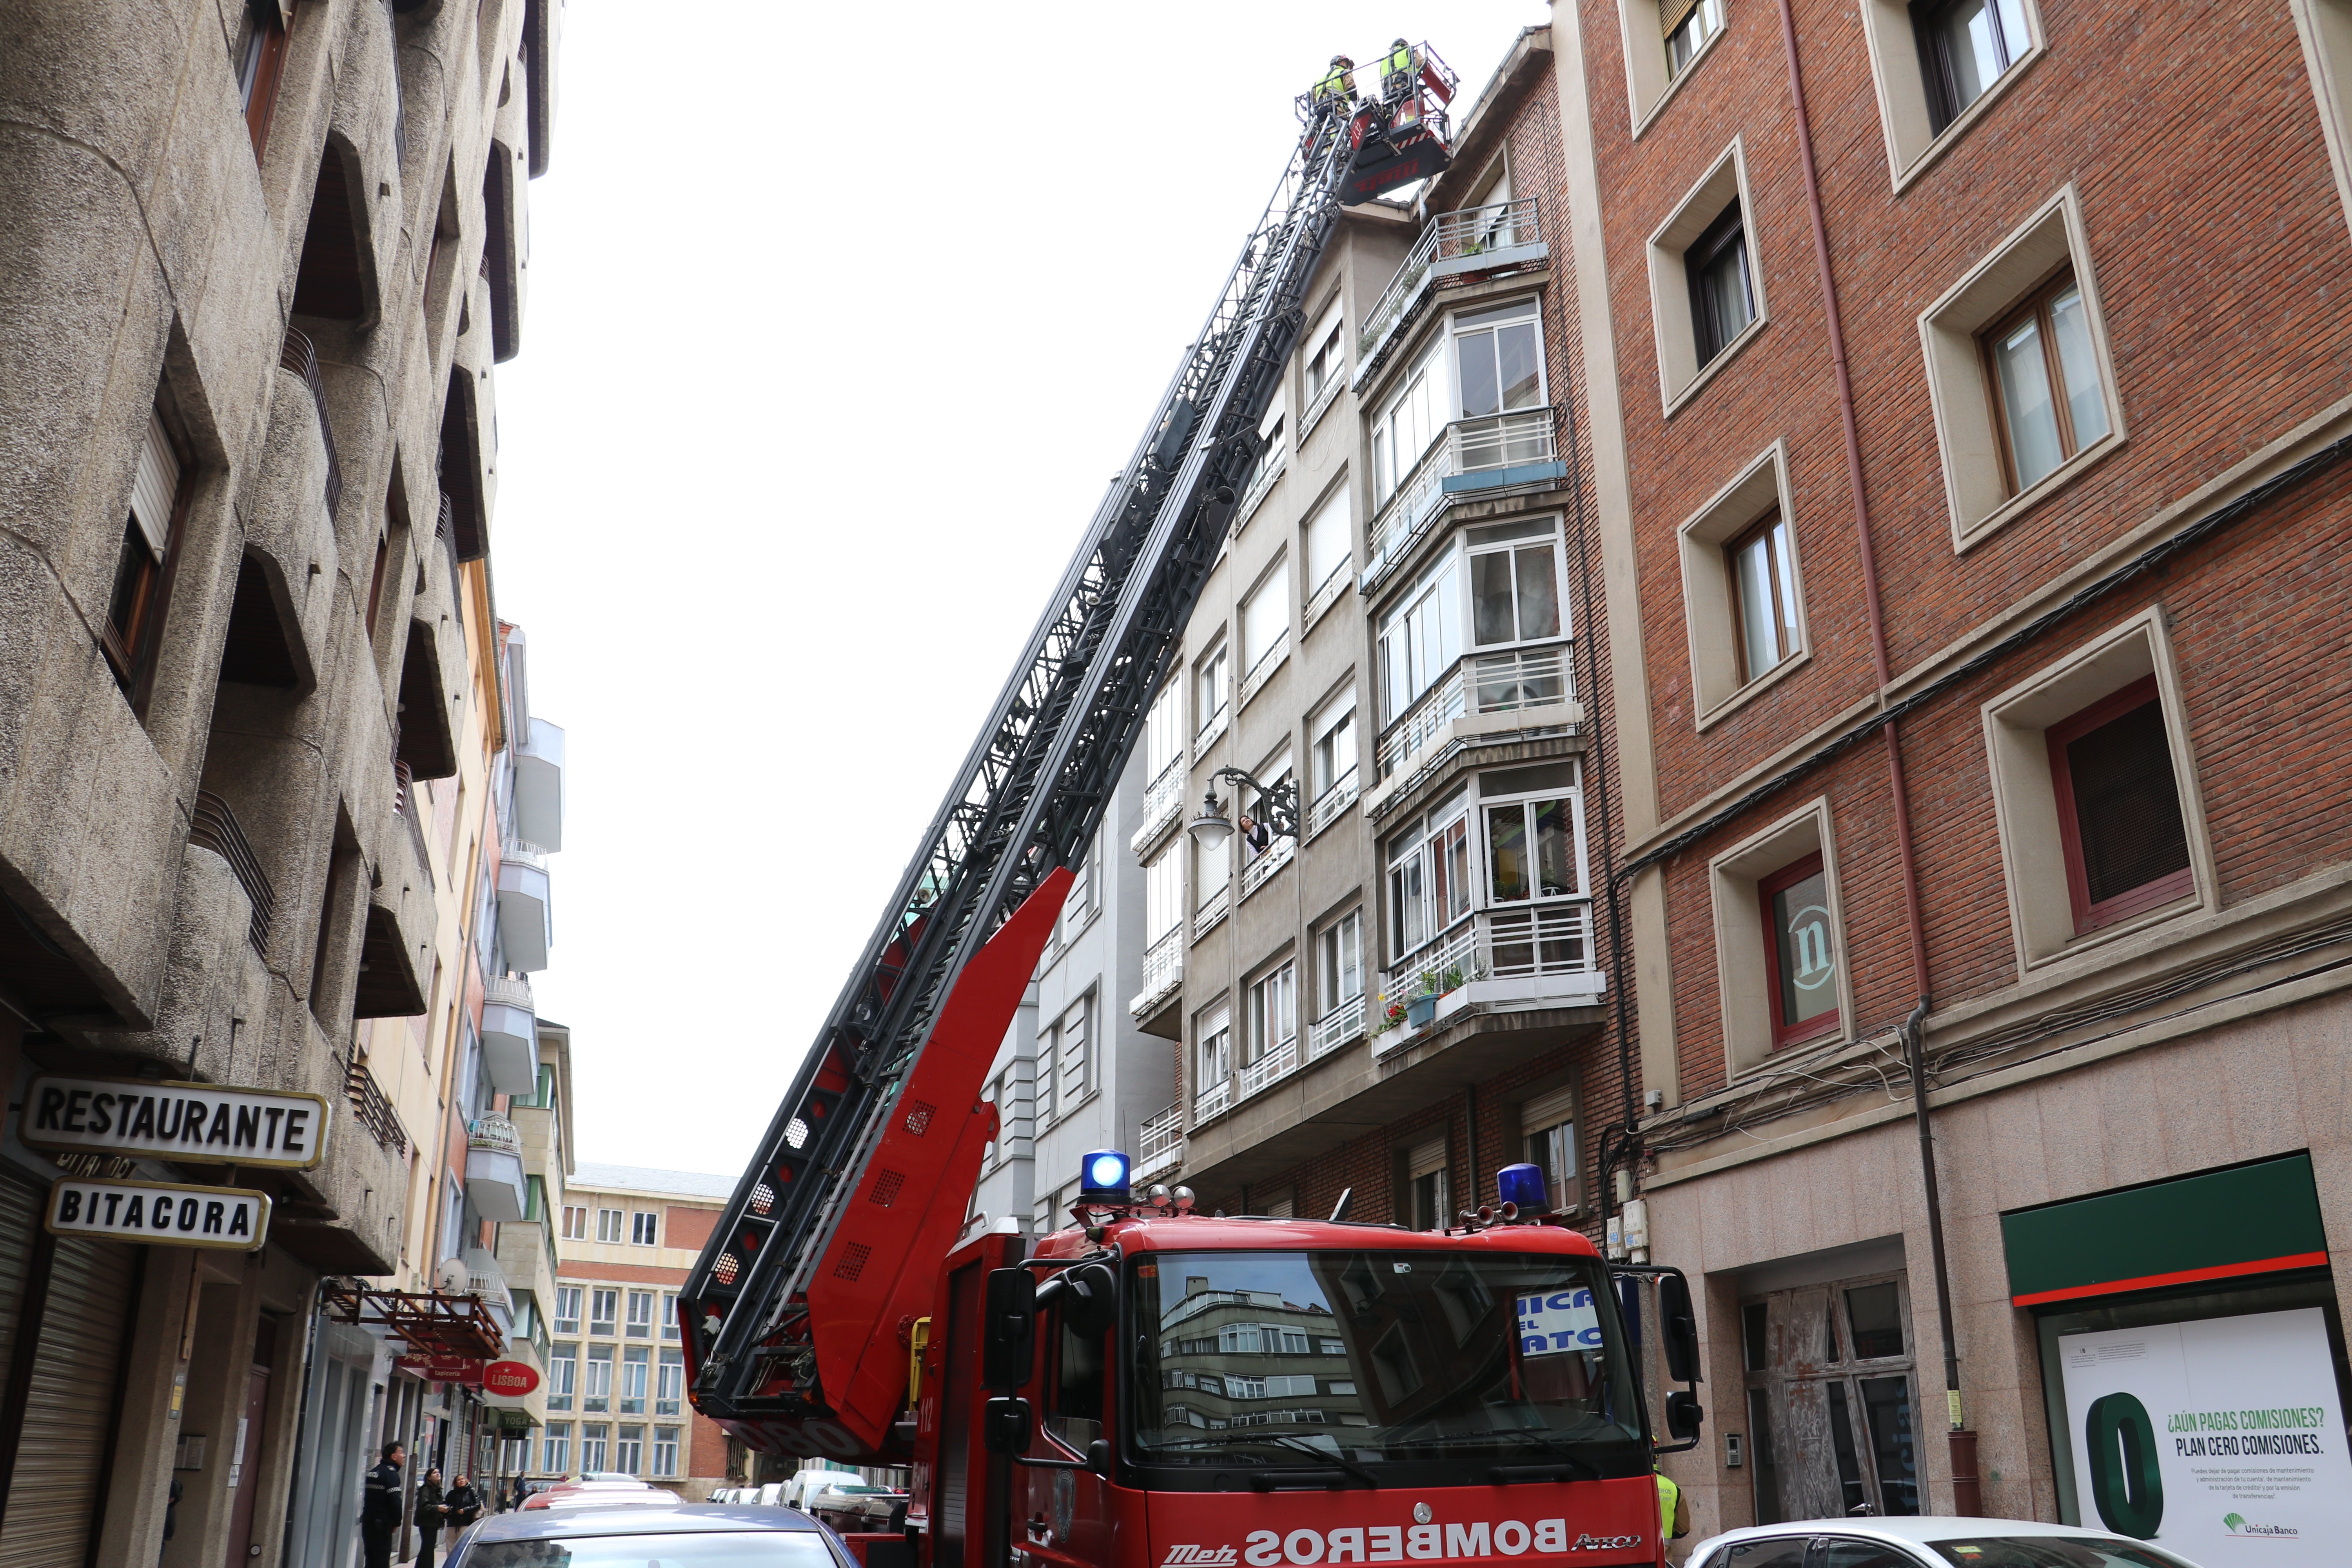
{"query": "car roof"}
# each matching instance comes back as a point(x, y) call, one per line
point(1920, 1531)
point(586, 1519)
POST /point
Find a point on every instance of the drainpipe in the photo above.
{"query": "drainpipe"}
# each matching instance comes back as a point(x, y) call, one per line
point(1967, 1494)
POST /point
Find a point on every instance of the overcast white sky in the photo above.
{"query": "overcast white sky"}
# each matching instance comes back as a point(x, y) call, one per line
point(840, 318)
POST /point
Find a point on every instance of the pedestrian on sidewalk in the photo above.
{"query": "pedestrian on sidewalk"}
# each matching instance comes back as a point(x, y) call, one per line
point(464, 1504)
point(380, 1507)
point(432, 1513)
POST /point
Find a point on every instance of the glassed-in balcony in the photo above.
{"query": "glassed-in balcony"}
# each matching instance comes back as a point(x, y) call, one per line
point(1538, 683)
point(494, 1173)
point(1530, 954)
point(526, 922)
point(539, 787)
point(510, 1036)
point(1471, 459)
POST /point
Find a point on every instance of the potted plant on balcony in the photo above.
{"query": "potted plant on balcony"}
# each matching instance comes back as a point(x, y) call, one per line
point(1423, 1008)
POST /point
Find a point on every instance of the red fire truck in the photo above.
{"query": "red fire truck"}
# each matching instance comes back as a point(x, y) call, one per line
point(1153, 1387)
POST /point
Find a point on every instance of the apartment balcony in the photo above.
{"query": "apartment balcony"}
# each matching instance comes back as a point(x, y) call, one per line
point(1271, 859)
point(1474, 459)
point(1164, 975)
point(494, 1173)
point(1455, 247)
point(1335, 1029)
point(1332, 805)
point(1534, 955)
point(1483, 700)
point(485, 1279)
point(1159, 1146)
point(539, 787)
point(526, 922)
point(510, 1036)
point(1164, 806)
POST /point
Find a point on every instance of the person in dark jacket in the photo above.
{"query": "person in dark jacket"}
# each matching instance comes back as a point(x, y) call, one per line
point(432, 1513)
point(464, 1504)
point(380, 1507)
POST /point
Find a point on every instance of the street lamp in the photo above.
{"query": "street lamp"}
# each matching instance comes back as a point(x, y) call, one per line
point(1277, 808)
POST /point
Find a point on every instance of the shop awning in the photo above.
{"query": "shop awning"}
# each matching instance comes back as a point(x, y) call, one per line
point(430, 1322)
point(2220, 1224)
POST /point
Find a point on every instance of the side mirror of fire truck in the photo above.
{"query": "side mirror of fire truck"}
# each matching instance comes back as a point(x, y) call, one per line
point(1090, 1299)
point(1678, 1327)
point(1683, 1416)
point(1008, 1348)
point(1006, 1426)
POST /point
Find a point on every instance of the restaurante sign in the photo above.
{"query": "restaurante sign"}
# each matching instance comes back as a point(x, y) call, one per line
point(201, 1123)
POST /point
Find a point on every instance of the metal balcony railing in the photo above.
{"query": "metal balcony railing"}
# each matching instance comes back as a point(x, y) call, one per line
point(1481, 683)
point(297, 354)
point(1271, 858)
point(1260, 483)
point(1262, 670)
point(1494, 450)
point(373, 1108)
point(1549, 941)
point(1332, 803)
point(1212, 910)
point(1329, 592)
point(1159, 1144)
point(495, 1134)
point(1325, 396)
point(1163, 802)
point(1278, 1063)
point(1213, 1099)
point(1163, 972)
point(404, 806)
point(1503, 234)
point(1212, 727)
point(512, 990)
point(214, 827)
point(1335, 1029)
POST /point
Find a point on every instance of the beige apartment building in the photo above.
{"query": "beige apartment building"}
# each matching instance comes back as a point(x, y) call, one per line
point(1403, 997)
point(617, 1392)
point(257, 264)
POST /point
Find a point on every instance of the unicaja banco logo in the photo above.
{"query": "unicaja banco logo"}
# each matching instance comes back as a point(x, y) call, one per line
point(2238, 1526)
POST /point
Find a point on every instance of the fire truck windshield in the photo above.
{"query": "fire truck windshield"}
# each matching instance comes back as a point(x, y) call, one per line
point(1380, 1364)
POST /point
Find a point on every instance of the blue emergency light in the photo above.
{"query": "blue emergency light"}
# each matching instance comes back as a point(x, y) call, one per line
point(1522, 1185)
point(1103, 1174)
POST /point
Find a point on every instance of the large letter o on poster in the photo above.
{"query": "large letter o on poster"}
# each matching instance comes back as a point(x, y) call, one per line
point(2124, 1484)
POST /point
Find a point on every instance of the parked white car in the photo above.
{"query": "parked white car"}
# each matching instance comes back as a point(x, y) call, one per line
point(1926, 1543)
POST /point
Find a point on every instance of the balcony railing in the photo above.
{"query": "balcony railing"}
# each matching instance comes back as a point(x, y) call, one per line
point(1271, 858)
point(1328, 592)
point(1262, 670)
point(1212, 729)
point(1163, 972)
point(404, 806)
point(1271, 1068)
point(1160, 1143)
point(214, 827)
point(1212, 1101)
point(1212, 909)
point(1551, 942)
point(1335, 1029)
point(296, 354)
point(495, 1134)
point(1481, 683)
point(1493, 451)
point(1325, 396)
point(373, 1108)
point(1476, 239)
point(1163, 802)
point(1332, 803)
point(1260, 483)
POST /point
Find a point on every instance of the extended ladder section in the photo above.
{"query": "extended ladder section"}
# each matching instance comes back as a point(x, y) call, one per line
point(1026, 802)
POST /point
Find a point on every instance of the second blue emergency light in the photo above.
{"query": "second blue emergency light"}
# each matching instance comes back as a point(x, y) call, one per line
point(1103, 1174)
point(1522, 1185)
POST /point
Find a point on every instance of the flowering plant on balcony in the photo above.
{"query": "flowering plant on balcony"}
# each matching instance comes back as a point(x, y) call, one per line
point(496, 1133)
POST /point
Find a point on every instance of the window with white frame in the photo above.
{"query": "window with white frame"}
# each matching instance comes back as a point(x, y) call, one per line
point(1408, 421)
point(1535, 849)
point(1331, 761)
point(1547, 1137)
point(576, 1220)
point(1514, 572)
point(1429, 875)
point(1339, 963)
point(1163, 731)
point(644, 1229)
point(669, 1315)
point(595, 1438)
point(1211, 870)
point(1421, 639)
point(1214, 1031)
point(610, 1223)
point(1327, 359)
point(596, 1389)
point(641, 1314)
point(1211, 687)
point(1269, 1014)
point(1271, 445)
point(567, 1309)
point(1687, 26)
point(562, 1374)
point(1164, 893)
point(603, 1311)
point(629, 1450)
point(665, 1451)
point(1265, 619)
point(1499, 367)
point(555, 1450)
point(1329, 542)
point(670, 1388)
point(636, 1364)
point(1255, 835)
point(1073, 1060)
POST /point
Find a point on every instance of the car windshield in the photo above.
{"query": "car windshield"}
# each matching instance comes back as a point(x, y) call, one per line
point(2052, 1552)
point(1358, 1358)
point(714, 1549)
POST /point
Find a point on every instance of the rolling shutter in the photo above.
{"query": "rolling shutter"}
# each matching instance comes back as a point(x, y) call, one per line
point(69, 1410)
point(1549, 1109)
point(1671, 15)
point(154, 486)
point(20, 1222)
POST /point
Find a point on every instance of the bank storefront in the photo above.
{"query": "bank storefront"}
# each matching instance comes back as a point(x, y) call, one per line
point(2192, 1359)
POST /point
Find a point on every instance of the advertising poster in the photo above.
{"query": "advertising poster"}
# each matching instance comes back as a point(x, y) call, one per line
point(2220, 1440)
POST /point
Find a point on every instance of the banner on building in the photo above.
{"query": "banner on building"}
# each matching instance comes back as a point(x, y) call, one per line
point(465, 1370)
point(2220, 1440)
point(230, 1218)
point(200, 1123)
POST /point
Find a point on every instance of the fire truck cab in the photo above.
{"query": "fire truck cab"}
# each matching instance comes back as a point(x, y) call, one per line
point(1154, 1388)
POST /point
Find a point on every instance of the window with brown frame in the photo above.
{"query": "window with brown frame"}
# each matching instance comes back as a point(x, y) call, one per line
point(1801, 951)
point(134, 611)
point(1723, 299)
point(1763, 582)
point(257, 55)
point(2042, 373)
point(1966, 45)
point(2119, 820)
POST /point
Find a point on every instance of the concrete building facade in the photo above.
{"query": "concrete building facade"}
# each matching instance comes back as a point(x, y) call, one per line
point(616, 1390)
point(256, 265)
point(1967, 426)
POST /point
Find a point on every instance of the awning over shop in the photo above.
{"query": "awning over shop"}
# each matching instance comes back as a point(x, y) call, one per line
point(431, 1322)
point(2219, 1225)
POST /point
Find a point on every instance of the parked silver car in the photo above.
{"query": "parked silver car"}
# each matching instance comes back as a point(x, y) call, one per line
point(1926, 1543)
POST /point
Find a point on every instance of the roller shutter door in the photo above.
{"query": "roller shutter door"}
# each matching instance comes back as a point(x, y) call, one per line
point(20, 1223)
point(69, 1407)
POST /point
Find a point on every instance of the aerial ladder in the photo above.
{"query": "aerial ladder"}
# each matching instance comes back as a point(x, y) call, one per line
point(800, 1314)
